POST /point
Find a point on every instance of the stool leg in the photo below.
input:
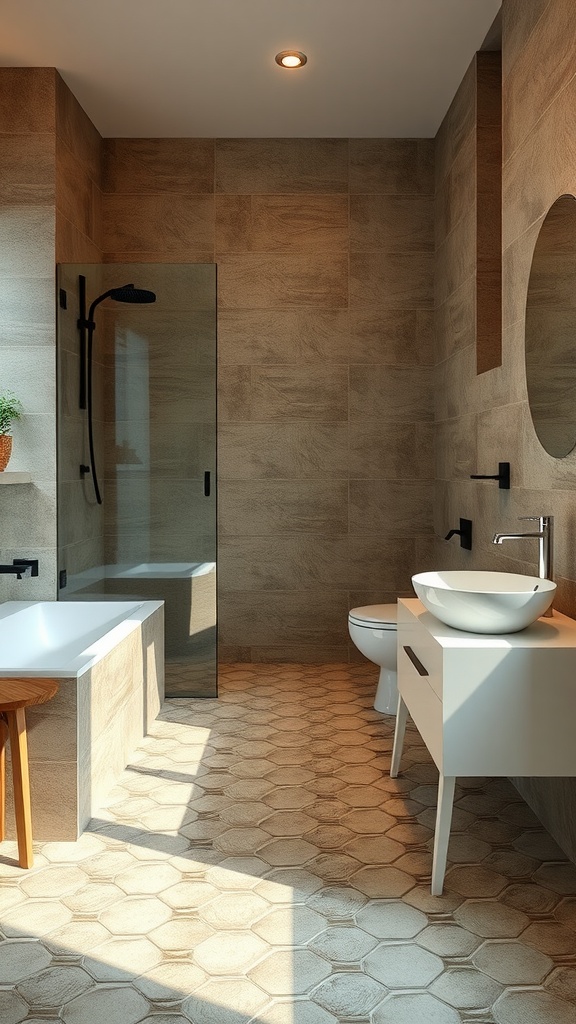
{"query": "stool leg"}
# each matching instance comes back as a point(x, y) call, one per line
point(21, 783)
point(3, 738)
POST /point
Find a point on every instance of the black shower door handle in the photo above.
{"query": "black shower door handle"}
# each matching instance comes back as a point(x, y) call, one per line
point(207, 483)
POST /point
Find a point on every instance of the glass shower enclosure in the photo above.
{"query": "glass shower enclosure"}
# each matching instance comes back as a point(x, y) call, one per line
point(137, 450)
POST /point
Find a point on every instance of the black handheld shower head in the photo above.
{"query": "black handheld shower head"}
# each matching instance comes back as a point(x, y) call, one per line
point(128, 293)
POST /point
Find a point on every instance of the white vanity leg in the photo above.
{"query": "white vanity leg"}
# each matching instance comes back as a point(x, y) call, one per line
point(442, 833)
point(401, 717)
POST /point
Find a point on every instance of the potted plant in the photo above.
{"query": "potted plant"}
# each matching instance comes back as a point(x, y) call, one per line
point(10, 410)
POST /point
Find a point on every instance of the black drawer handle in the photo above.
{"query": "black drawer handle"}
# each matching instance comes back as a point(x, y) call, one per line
point(416, 662)
point(207, 484)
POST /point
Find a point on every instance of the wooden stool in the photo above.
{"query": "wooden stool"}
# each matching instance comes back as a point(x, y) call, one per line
point(15, 696)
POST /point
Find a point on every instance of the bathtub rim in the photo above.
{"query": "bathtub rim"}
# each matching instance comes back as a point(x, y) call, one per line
point(98, 649)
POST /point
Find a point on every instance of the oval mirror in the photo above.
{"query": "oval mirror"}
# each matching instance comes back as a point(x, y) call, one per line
point(551, 330)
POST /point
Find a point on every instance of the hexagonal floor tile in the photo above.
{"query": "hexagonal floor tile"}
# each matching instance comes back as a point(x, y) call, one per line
point(520, 1007)
point(389, 919)
point(349, 995)
point(170, 981)
point(415, 1009)
point(229, 952)
point(234, 910)
point(448, 940)
point(121, 959)
point(289, 926)
point(21, 960)
point(512, 963)
point(466, 989)
point(343, 945)
point(491, 919)
point(135, 915)
point(55, 986)
point(111, 1004)
point(403, 965)
point(224, 1001)
point(289, 972)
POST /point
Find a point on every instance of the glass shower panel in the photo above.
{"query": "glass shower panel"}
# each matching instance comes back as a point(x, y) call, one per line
point(154, 430)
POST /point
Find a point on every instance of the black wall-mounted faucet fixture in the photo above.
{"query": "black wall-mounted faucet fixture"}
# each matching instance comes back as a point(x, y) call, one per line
point(465, 534)
point(503, 476)
point(20, 567)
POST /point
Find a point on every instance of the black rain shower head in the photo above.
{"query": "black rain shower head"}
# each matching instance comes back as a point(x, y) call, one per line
point(128, 293)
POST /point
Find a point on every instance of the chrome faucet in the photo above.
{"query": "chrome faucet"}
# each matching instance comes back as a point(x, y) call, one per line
point(545, 536)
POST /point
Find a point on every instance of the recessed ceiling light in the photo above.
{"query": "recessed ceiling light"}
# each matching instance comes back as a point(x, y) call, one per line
point(291, 59)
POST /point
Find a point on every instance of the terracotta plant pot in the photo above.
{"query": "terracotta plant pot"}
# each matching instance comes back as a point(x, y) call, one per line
point(5, 450)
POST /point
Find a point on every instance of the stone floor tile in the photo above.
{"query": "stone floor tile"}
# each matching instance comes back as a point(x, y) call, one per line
point(475, 881)
point(234, 910)
point(21, 960)
point(180, 935)
point(35, 918)
point(337, 903)
point(293, 926)
point(73, 940)
point(349, 995)
point(382, 882)
point(559, 877)
point(530, 898)
point(188, 895)
point(147, 878)
point(550, 937)
point(403, 965)
point(170, 981)
point(287, 852)
point(289, 972)
point(532, 1008)
point(466, 989)
point(562, 982)
point(491, 919)
point(415, 1009)
point(343, 945)
point(448, 940)
point(512, 963)
point(13, 1009)
point(107, 1004)
point(288, 885)
point(135, 915)
point(296, 1011)
point(121, 959)
point(54, 986)
point(229, 952)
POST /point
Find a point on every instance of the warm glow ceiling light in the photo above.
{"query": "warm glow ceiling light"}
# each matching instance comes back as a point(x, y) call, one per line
point(291, 59)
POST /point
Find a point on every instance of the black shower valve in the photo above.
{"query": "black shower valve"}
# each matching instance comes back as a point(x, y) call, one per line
point(465, 534)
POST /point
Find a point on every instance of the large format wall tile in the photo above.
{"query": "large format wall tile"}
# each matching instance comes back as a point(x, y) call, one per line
point(257, 336)
point(283, 450)
point(392, 166)
point(399, 280)
point(181, 225)
point(153, 166)
point(258, 281)
point(391, 223)
point(394, 393)
point(281, 222)
point(248, 166)
point(273, 507)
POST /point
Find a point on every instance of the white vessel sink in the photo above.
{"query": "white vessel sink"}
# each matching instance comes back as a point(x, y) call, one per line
point(484, 602)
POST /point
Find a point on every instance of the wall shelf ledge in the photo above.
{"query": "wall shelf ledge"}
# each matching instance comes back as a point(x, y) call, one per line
point(15, 478)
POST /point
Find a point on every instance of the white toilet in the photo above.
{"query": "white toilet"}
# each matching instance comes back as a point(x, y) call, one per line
point(373, 630)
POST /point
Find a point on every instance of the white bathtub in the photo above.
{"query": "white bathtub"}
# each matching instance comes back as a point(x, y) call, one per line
point(158, 570)
point(109, 660)
point(64, 639)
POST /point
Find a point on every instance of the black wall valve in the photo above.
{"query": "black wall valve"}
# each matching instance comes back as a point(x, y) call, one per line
point(465, 534)
point(502, 476)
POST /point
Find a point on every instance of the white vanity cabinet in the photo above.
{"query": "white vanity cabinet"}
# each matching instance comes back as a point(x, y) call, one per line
point(485, 705)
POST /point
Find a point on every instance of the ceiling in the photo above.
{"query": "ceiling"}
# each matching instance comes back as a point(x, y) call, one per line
point(205, 68)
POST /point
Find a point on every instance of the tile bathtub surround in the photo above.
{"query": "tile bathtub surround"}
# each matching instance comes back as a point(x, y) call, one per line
point(256, 863)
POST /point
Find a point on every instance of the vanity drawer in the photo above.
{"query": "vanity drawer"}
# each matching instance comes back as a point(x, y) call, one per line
point(417, 644)
point(422, 701)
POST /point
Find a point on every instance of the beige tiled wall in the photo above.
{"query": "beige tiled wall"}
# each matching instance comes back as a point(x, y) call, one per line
point(27, 353)
point(481, 420)
point(324, 250)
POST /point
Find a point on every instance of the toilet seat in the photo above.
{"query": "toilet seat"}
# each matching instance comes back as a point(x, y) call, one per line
point(374, 616)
